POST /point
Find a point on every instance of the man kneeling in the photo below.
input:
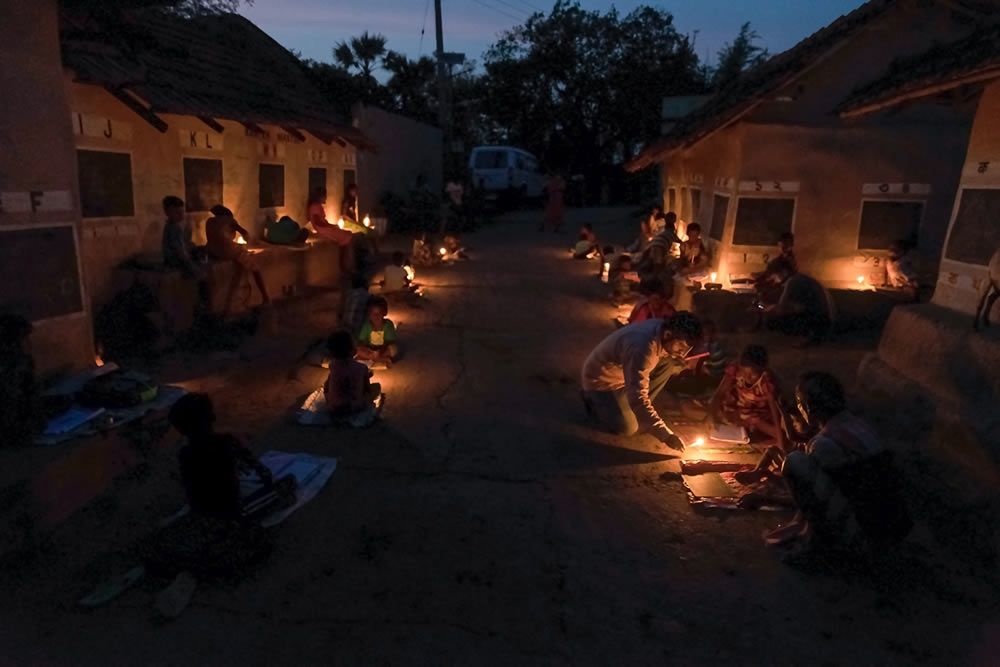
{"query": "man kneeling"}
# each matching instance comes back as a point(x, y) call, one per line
point(625, 373)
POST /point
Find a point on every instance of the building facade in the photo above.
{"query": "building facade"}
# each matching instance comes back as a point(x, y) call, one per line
point(771, 154)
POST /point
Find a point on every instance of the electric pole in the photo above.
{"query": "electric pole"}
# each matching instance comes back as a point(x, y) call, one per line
point(444, 103)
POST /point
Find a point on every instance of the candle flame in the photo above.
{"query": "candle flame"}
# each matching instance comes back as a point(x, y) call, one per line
point(368, 221)
point(607, 266)
point(410, 274)
point(240, 240)
point(698, 442)
point(98, 361)
point(443, 251)
point(861, 280)
point(714, 276)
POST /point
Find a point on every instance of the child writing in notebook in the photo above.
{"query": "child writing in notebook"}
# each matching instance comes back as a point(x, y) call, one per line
point(748, 396)
point(377, 340)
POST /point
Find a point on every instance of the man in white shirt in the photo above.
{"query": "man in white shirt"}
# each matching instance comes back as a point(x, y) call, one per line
point(623, 375)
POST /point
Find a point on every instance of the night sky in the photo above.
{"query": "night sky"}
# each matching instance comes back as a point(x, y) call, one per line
point(314, 26)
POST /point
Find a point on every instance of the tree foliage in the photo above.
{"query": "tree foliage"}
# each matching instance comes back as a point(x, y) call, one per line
point(736, 57)
point(583, 88)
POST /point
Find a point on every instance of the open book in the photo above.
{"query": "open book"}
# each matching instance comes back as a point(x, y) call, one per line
point(727, 433)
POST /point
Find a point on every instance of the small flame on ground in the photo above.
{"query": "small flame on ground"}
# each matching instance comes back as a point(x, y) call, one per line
point(240, 240)
point(443, 251)
point(861, 280)
point(340, 223)
point(714, 276)
point(98, 361)
point(410, 274)
point(698, 442)
point(368, 221)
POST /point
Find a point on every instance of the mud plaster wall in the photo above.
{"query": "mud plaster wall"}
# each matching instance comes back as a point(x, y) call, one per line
point(35, 144)
point(157, 171)
point(957, 281)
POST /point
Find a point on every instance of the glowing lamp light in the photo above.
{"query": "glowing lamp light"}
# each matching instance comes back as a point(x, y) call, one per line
point(607, 266)
point(714, 276)
point(240, 240)
point(98, 361)
point(367, 221)
point(410, 274)
point(340, 223)
point(698, 442)
point(861, 280)
point(443, 251)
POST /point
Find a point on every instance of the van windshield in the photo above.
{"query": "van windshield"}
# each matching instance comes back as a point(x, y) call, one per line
point(491, 160)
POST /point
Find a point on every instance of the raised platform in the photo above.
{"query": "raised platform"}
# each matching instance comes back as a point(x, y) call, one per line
point(288, 271)
point(939, 380)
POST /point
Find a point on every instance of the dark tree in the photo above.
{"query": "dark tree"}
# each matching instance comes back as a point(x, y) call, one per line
point(735, 58)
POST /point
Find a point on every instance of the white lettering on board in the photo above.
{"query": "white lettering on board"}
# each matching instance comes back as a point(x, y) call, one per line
point(349, 158)
point(98, 127)
point(896, 189)
point(750, 257)
point(317, 155)
point(697, 179)
point(725, 183)
point(36, 201)
point(208, 141)
point(769, 186)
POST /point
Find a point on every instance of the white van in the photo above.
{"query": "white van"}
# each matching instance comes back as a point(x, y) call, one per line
point(499, 169)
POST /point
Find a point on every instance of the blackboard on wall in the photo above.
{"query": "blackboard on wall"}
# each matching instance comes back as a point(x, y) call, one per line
point(885, 222)
point(271, 180)
point(39, 272)
point(975, 234)
point(760, 221)
point(720, 208)
point(105, 184)
point(317, 179)
point(202, 183)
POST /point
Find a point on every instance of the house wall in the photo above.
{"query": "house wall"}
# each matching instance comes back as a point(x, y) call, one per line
point(35, 142)
point(958, 282)
point(915, 153)
point(157, 170)
point(406, 149)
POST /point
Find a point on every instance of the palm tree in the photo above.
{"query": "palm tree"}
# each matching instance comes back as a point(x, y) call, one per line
point(361, 53)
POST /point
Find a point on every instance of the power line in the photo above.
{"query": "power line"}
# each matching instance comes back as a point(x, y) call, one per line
point(532, 7)
point(499, 11)
point(514, 7)
point(423, 28)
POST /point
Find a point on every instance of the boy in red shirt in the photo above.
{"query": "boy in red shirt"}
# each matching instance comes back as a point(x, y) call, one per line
point(654, 305)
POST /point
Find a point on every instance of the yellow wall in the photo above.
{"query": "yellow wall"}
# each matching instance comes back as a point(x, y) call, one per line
point(959, 283)
point(157, 171)
point(35, 141)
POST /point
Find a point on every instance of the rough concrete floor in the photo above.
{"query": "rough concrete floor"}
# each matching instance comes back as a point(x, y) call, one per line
point(482, 522)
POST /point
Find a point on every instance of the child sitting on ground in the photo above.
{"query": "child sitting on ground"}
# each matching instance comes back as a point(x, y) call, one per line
point(355, 306)
point(623, 280)
point(748, 396)
point(655, 303)
point(900, 272)
point(695, 258)
point(453, 250)
point(396, 279)
point(704, 374)
point(348, 389)
point(586, 245)
point(423, 252)
point(377, 340)
point(219, 537)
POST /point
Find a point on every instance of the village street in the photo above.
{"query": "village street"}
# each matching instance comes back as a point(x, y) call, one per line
point(482, 522)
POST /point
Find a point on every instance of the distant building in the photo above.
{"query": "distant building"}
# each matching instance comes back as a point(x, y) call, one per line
point(770, 154)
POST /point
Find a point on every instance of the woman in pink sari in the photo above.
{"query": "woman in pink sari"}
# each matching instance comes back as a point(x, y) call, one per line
point(554, 206)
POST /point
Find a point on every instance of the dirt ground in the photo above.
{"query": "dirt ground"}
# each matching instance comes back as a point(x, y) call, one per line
point(482, 522)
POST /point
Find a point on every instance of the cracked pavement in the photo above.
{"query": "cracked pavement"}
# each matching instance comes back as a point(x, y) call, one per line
point(481, 522)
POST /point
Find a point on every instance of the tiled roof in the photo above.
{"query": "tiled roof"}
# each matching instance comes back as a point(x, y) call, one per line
point(218, 66)
point(740, 96)
point(936, 70)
